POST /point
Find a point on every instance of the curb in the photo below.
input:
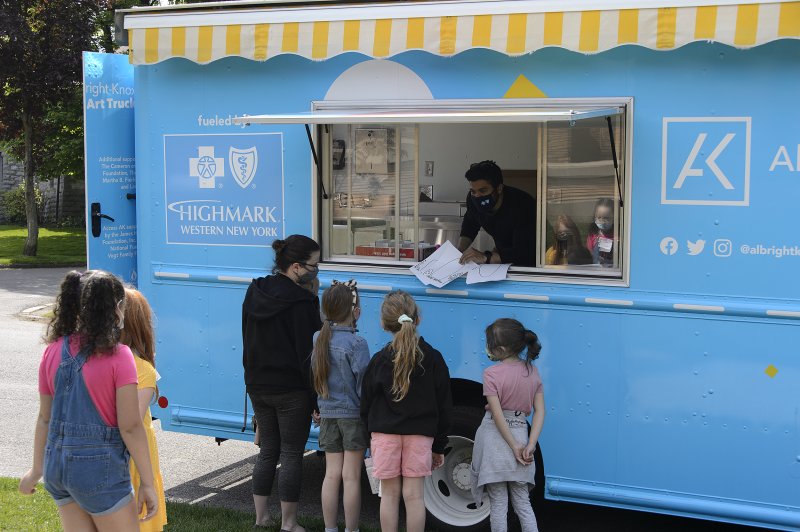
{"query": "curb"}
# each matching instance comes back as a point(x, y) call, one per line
point(36, 313)
point(53, 265)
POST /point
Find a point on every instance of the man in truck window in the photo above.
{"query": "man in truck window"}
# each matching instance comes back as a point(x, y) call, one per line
point(508, 214)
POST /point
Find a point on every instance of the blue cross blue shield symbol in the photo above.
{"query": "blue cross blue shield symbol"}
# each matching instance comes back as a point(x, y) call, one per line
point(243, 164)
point(206, 167)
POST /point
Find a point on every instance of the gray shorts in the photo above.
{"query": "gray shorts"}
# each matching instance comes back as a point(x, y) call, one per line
point(342, 434)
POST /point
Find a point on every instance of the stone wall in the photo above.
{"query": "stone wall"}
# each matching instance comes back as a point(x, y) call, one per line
point(62, 199)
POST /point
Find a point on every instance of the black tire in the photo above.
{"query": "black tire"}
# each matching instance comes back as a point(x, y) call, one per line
point(466, 420)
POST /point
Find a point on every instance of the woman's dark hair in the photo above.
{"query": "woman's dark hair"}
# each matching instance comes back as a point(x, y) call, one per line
point(295, 248)
point(602, 202)
point(68, 305)
point(338, 304)
point(102, 294)
point(513, 337)
point(486, 170)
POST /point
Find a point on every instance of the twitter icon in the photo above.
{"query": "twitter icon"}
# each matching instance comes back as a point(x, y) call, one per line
point(695, 248)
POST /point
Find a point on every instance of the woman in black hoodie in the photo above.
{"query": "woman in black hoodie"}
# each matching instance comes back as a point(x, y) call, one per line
point(280, 315)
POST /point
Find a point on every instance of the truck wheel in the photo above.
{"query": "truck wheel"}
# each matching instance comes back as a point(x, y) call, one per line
point(448, 496)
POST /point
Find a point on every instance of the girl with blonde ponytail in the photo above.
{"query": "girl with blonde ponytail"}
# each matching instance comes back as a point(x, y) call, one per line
point(407, 406)
point(338, 362)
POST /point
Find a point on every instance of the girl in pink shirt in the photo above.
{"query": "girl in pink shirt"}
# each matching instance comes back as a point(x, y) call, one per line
point(502, 458)
point(88, 411)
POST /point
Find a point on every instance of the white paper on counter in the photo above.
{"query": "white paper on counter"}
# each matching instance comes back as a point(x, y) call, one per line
point(487, 272)
point(442, 266)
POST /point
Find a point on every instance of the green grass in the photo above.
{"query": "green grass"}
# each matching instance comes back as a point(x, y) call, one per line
point(20, 512)
point(38, 512)
point(57, 247)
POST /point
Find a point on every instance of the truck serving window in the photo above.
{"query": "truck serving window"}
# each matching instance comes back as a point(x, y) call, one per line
point(394, 177)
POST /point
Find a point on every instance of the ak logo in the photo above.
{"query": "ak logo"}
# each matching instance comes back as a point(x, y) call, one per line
point(705, 161)
point(243, 164)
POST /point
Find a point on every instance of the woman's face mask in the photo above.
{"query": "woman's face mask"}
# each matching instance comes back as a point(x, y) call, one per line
point(563, 236)
point(307, 277)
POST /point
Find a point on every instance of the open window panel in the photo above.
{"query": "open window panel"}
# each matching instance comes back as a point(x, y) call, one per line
point(394, 176)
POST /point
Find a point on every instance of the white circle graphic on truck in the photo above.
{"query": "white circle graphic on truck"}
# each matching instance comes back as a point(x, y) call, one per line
point(378, 79)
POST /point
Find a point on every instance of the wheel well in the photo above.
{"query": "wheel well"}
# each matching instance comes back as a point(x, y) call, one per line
point(467, 393)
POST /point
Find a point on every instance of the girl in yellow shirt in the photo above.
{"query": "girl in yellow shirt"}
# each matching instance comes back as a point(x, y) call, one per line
point(137, 334)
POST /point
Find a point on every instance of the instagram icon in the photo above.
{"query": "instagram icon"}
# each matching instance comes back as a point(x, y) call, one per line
point(722, 247)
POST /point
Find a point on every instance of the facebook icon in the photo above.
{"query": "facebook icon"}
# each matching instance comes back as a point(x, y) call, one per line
point(669, 246)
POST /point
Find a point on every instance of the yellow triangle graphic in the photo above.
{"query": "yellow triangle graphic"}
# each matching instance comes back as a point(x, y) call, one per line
point(523, 88)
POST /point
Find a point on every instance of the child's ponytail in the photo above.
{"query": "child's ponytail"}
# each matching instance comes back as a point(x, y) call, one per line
point(65, 312)
point(339, 302)
point(534, 346)
point(320, 361)
point(400, 315)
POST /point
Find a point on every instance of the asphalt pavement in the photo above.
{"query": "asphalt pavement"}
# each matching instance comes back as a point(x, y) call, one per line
point(195, 469)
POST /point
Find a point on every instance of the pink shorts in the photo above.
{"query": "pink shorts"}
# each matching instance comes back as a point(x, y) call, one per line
point(394, 455)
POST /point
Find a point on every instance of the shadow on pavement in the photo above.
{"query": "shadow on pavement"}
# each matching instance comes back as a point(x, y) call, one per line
point(231, 487)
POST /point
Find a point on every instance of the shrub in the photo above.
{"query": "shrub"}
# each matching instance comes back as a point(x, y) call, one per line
point(12, 204)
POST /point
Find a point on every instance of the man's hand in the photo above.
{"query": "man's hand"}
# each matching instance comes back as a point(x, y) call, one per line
point(472, 255)
point(437, 461)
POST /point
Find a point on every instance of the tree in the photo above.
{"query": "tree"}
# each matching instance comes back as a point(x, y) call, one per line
point(41, 42)
point(105, 21)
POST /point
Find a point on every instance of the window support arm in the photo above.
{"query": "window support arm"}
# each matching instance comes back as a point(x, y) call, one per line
point(318, 163)
point(614, 157)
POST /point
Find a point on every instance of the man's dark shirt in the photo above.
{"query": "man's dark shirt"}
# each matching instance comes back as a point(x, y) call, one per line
point(513, 226)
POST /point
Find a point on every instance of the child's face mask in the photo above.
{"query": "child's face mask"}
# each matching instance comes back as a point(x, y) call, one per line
point(491, 356)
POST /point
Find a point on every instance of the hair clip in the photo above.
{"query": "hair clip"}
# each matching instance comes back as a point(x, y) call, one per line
point(404, 318)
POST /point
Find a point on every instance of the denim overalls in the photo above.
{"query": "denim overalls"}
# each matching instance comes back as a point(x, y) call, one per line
point(85, 460)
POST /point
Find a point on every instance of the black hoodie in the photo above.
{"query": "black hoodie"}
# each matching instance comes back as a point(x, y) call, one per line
point(427, 408)
point(279, 319)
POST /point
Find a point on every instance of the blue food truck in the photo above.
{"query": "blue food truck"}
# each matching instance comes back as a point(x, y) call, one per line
point(670, 360)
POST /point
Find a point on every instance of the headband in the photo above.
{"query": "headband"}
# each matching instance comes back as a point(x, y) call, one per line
point(351, 284)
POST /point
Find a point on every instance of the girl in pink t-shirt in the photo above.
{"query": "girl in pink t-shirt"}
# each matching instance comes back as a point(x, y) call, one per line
point(89, 423)
point(502, 458)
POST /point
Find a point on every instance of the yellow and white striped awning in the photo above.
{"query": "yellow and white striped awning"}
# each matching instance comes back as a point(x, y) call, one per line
point(446, 28)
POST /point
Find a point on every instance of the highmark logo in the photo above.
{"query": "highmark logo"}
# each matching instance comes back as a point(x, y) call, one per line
point(214, 201)
point(215, 211)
